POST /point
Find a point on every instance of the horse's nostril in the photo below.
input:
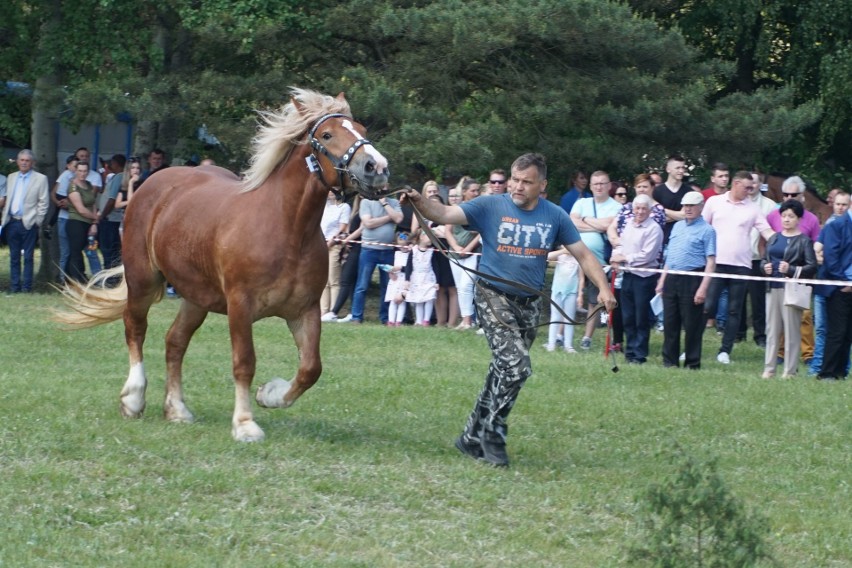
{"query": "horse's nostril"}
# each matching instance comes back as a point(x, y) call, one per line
point(370, 167)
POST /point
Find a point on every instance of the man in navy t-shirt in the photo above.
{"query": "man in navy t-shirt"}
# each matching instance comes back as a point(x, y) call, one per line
point(517, 230)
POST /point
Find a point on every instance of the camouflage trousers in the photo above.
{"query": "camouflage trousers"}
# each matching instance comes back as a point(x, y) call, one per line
point(510, 363)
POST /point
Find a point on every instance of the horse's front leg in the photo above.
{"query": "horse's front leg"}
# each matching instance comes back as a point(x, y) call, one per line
point(279, 393)
point(244, 428)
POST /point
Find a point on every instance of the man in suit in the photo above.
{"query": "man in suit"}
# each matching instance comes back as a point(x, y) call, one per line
point(27, 198)
point(836, 238)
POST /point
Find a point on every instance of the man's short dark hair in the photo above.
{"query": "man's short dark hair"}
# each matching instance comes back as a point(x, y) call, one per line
point(119, 159)
point(720, 167)
point(675, 158)
point(530, 160)
point(742, 175)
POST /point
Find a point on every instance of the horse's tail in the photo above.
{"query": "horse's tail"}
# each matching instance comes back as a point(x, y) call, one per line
point(94, 303)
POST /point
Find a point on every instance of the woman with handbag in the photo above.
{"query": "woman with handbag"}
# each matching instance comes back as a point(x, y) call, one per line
point(789, 256)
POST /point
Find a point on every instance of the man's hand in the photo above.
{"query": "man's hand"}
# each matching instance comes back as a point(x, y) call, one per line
point(608, 299)
point(411, 196)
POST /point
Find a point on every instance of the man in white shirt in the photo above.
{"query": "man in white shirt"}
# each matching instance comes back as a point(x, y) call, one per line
point(592, 216)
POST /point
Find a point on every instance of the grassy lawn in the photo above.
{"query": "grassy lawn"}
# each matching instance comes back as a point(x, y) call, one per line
point(362, 471)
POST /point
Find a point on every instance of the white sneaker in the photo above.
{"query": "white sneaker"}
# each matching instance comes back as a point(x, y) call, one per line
point(723, 358)
point(480, 331)
point(682, 357)
point(550, 347)
point(344, 320)
point(328, 316)
point(570, 350)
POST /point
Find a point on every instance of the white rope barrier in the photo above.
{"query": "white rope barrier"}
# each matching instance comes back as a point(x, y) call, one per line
point(737, 276)
point(677, 272)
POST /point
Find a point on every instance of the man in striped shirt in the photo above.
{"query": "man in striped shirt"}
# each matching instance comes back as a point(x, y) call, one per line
point(692, 247)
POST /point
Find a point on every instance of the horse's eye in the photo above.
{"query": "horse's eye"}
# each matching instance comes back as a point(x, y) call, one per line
point(326, 136)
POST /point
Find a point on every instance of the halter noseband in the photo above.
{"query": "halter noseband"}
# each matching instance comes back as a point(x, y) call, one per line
point(340, 164)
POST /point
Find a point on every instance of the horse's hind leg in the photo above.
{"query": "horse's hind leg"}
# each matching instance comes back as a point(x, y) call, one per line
point(279, 393)
point(189, 319)
point(132, 397)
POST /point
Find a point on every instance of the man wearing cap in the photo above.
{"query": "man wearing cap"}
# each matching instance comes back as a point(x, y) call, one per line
point(692, 247)
point(733, 216)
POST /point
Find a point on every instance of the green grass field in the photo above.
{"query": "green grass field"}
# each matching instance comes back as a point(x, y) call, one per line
point(362, 470)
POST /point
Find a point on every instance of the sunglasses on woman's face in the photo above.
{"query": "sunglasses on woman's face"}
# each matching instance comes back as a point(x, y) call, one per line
point(621, 195)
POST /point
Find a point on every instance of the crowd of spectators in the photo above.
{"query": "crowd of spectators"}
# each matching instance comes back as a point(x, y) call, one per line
point(648, 236)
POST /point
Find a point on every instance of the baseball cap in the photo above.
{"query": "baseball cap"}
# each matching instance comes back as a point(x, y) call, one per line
point(692, 198)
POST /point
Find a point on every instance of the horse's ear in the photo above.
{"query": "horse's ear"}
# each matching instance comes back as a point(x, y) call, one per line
point(341, 97)
point(299, 106)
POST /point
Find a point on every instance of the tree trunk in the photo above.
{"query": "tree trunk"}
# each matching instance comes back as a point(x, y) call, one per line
point(47, 98)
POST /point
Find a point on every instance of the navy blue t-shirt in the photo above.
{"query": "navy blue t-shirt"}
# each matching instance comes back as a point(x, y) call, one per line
point(515, 242)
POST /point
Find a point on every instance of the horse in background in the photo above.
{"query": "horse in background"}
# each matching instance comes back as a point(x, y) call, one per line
point(813, 202)
point(248, 249)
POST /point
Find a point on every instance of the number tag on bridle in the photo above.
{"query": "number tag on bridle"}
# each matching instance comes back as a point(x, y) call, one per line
point(313, 163)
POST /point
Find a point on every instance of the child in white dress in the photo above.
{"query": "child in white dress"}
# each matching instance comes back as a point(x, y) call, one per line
point(566, 280)
point(395, 293)
point(422, 285)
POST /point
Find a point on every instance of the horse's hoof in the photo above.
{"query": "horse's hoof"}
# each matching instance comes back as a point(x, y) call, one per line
point(271, 395)
point(131, 411)
point(247, 432)
point(132, 395)
point(181, 415)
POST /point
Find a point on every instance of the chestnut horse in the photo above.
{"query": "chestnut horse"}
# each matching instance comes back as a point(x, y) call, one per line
point(249, 249)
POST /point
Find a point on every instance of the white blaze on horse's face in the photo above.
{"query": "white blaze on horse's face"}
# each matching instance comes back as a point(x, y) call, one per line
point(369, 149)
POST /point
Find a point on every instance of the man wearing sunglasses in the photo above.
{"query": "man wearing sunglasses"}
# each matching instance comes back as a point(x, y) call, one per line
point(793, 188)
point(496, 183)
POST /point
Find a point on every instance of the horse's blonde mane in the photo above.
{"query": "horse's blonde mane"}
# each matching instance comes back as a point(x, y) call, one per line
point(279, 132)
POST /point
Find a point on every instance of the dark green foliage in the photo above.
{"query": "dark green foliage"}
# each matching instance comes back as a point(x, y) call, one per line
point(691, 518)
point(804, 46)
point(445, 86)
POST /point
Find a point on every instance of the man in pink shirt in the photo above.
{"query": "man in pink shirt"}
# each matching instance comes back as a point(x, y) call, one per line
point(733, 216)
point(794, 188)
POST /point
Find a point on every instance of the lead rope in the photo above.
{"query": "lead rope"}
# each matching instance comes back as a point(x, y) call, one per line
point(493, 278)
